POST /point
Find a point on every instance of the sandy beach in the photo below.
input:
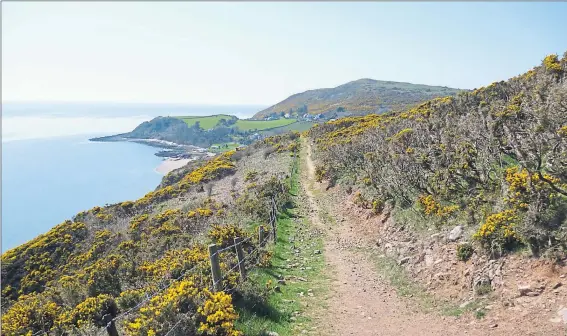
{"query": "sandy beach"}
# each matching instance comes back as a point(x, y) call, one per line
point(171, 164)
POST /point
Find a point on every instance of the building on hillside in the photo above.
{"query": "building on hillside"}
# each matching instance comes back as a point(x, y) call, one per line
point(255, 136)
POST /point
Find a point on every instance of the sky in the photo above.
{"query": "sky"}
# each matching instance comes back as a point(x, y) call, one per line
point(261, 52)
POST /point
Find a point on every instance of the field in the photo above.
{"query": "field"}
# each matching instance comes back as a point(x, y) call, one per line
point(245, 125)
point(207, 122)
point(299, 126)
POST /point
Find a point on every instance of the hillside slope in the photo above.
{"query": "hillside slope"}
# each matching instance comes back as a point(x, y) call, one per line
point(358, 97)
point(106, 261)
point(490, 164)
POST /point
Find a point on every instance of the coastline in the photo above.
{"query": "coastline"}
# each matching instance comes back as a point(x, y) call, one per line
point(170, 164)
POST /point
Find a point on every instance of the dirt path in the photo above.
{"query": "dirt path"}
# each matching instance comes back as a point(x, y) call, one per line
point(360, 303)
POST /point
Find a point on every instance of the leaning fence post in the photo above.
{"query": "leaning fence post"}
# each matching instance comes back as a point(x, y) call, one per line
point(261, 235)
point(273, 224)
point(110, 326)
point(215, 267)
point(240, 257)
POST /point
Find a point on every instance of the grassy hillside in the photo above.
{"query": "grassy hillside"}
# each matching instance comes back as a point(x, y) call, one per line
point(299, 126)
point(246, 124)
point(108, 260)
point(493, 161)
point(206, 122)
point(359, 97)
point(210, 122)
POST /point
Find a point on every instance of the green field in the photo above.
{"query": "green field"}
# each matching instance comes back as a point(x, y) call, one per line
point(245, 124)
point(299, 126)
point(207, 122)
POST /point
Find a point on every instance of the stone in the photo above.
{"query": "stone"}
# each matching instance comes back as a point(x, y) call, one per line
point(524, 289)
point(272, 333)
point(403, 260)
point(557, 285)
point(561, 316)
point(317, 252)
point(456, 233)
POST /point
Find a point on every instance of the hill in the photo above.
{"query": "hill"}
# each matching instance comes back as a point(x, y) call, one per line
point(108, 260)
point(208, 122)
point(174, 130)
point(490, 163)
point(203, 131)
point(362, 96)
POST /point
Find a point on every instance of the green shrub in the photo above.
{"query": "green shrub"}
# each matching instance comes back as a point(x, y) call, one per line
point(464, 251)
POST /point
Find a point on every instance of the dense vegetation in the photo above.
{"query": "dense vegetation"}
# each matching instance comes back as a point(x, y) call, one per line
point(493, 160)
point(108, 261)
point(358, 97)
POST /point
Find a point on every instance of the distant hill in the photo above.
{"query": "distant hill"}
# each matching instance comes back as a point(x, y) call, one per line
point(362, 96)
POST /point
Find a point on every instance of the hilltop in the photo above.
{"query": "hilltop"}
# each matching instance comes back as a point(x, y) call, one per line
point(179, 135)
point(460, 202)
point(362, 96)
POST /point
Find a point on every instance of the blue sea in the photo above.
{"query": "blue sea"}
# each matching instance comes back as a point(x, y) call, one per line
point(50, 171)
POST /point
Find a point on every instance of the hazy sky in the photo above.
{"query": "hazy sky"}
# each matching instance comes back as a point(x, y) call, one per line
point(260, 53)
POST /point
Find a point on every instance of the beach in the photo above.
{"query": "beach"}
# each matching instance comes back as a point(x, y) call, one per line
point(171, 164)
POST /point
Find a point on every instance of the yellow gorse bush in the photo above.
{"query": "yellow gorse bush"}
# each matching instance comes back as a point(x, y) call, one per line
point(519, 190)
point(212, 169)
point(29, 315)
point(218, 314)
point(434, 208)
point(498, 227)
point(223, 235)
point(178, 298)
point(551, 63)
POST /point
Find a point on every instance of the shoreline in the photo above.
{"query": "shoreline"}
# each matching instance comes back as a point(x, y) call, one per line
point(171, 164)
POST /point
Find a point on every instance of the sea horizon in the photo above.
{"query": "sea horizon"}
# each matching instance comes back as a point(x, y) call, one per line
point(50, 166)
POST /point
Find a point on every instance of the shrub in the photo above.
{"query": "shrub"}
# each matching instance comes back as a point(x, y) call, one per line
point(551, 63)
point(223, 235)
point(268, 151)
point(320, 174)
point(218, 315)
point(251, 175)
point(31, 314)
point(90, 312)
point(434, 208)
point(464, 251)
point(498, 230)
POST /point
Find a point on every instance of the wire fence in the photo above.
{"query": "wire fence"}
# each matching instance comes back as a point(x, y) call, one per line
point(218, 278)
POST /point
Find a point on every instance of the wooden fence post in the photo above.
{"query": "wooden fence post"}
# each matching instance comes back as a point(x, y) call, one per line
point(273, 224)
point(261, 235)
point(240, 257)
point(108, 319)
point(215, 267)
